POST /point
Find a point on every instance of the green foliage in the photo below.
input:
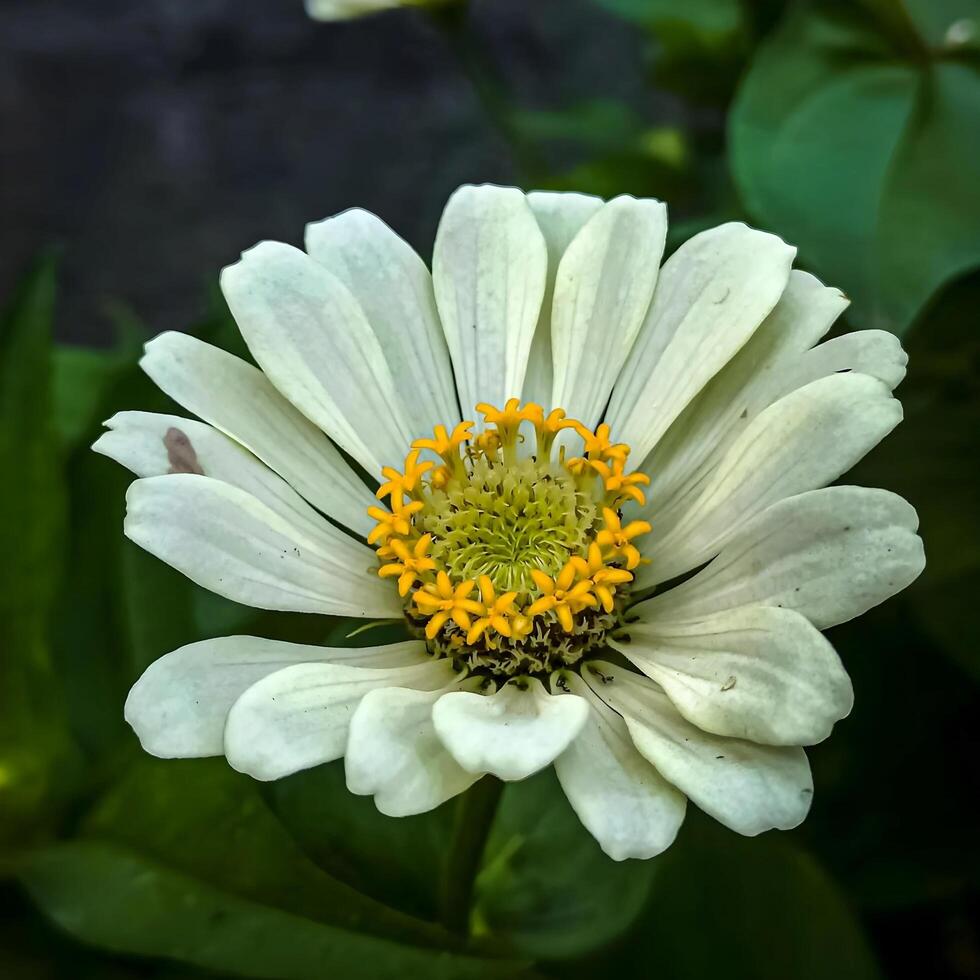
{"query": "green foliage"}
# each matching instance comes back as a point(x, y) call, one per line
point(844, 127)
point(36, 758)
point(762, 909)
point(401, 862)
point(546, 888)
point(184, 860)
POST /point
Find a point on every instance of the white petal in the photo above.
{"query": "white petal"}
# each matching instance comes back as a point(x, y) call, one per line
point(627, 806)
point(712, 295)
point(394, 754)
point(394, 288)
point(802, 442)
point(877, 353)
point(603, 288)
point(228, 541)
point(764, 674)
point(559, 216)
point(313, 340)
point(829, 554)
point(179, 705)
point(240, 401)
point(513, 733)
point(345, 9)
point(750, 382)
point(298, 717)
point(155, 445)
point(488, 267)
point(749, 788)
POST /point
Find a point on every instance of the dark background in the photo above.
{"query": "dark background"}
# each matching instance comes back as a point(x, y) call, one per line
point(144, 145)
point(158, 139)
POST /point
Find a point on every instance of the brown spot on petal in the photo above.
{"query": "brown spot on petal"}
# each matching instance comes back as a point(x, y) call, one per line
point(180, 453)
point(729, 684)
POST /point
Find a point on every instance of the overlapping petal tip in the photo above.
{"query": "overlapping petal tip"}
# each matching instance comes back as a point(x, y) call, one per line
point(179, 705)
point(512, 733)
point(748, 787)
point(759, 673)
point(299, 717)
point(395, 755)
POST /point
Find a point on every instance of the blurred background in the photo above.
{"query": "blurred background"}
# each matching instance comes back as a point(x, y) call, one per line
point(143, 146)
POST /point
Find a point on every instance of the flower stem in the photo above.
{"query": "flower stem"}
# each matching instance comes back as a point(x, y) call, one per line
point(474, 818)
point(452, 20)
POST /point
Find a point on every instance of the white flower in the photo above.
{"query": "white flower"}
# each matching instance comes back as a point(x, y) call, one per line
point(533, 562)
point(348, 9)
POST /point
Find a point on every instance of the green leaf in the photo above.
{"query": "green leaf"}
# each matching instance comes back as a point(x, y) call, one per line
point(546, 889)
point(931, 460)
point(699, 44)
point(36, 758)
point(184, 859)
point(83, 378)
point(110, 896)
point(398, 861)
point(707, 18)
point(743, 909)
point(858, 145)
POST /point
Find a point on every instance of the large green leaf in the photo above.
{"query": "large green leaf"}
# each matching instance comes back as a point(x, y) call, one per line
point(399, 861)
point(742, 909)
point(184, 860)
point(35, 754)
point(110, 896)
point(858, 145)
point(546, 888)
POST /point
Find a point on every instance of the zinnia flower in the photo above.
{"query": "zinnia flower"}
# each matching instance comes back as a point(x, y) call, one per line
point(348, 9)
point(601, 514)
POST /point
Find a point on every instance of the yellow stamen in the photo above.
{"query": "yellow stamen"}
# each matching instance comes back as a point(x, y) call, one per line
point(620, 485)
point(442, 602)
point(495, 611)
point(399, 483)
point(446, 444)
point(561, 596)
point(617, 540)
point(393, 522)
point(548, 426)
point(603, 578)
point(598, 446)
point(410, 564)
point(440, 477)
point(488, 443)
point(420, 563)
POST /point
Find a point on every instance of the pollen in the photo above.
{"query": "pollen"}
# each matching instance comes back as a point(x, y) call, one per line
point(509, 557)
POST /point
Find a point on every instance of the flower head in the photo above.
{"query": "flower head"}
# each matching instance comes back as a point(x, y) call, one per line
point(623, 573)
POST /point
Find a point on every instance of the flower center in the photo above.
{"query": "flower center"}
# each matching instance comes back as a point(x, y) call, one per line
point(510, 561)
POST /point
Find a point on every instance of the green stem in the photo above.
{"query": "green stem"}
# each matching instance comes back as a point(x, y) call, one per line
point(452, 20)
point(474, 818)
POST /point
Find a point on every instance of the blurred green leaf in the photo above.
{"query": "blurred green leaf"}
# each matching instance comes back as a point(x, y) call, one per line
point(699, 44)
point(931, 460)
point(398, 861)
point(110, 896)
point(83, 378)
point(36, 757)
point(183, 859)
point(860, 146)
point(546, 889)
point(743, 909)
point(600, 124)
